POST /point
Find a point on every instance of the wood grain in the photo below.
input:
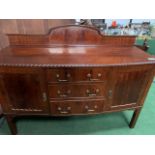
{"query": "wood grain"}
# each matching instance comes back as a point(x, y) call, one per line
point(1, 110)
point(68, 72)
point(28, 26)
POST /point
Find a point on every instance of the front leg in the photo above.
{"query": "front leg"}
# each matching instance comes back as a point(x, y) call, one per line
point(135, 117)
point(12, 124)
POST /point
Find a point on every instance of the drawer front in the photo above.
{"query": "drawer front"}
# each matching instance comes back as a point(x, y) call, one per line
point(65, 91)
point(77, 107)
point(76, 74)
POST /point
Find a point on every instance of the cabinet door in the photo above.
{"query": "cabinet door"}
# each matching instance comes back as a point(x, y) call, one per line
point(128, 87)
point(24, 91)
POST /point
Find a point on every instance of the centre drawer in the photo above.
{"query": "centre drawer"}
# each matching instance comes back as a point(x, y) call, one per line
point(76, 74)
point(66, 91)
point(77, 107)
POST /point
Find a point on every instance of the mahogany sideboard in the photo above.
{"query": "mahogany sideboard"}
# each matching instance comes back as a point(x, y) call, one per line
point(73, 70)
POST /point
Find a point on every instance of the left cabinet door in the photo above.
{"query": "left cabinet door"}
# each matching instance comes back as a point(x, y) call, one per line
point(24, 91)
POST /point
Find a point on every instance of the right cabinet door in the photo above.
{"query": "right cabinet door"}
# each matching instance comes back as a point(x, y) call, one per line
point(129, 84)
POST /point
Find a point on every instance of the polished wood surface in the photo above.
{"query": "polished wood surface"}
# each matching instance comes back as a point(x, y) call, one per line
point(0, 110)
point(76, 74)
point(71, 56)
point(67, 44)
point(70, 90)
point(78, 107)
point(28, 26)
point(68, 72)
point(25, 92)
point(135, 117)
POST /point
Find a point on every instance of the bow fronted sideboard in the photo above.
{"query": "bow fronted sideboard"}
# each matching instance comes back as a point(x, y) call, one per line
point(73, 70)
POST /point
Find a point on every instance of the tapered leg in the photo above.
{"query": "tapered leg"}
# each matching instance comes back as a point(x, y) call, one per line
point(135, 117)
point(12, 125)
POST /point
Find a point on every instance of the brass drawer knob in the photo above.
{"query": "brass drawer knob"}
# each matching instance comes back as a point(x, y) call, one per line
point(58, 92)
point(68, 91)
point(99, 74)
point(92, 94)
point(59, 108)
point(89, 75)
point(64, 111)
point(93, 79)
point(68, 108)
point(95, 106)
point(110, 94)
point(90, 110)
point(65, 94)
point(87, 91)
point(86, 107)
point(68, 75)
point(63, 80)
point(44, 95)
point(97, 90)
point(57, 75)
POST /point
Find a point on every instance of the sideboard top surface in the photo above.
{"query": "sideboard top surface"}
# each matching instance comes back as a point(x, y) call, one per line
point(73, 56)
point(72, 46)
